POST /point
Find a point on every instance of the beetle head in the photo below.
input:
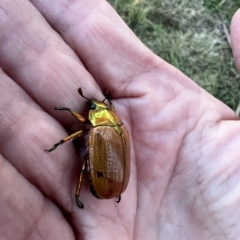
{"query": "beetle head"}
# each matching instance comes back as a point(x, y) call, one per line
point(93, 103)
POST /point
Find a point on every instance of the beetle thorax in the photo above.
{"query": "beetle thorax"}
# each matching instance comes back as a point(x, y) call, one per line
point(104, 117)
point(100, 114)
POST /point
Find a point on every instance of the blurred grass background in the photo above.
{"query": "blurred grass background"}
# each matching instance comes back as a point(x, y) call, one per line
point(192, 35)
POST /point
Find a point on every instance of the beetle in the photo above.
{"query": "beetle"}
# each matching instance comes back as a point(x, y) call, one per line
point(107, 162)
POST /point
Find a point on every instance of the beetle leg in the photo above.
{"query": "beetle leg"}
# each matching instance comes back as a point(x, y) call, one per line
point(74, 113)
point(118, 199)
point(68, 138)
point(79, 186)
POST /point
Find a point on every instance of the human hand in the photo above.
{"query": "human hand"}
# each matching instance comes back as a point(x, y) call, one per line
point(185, 143)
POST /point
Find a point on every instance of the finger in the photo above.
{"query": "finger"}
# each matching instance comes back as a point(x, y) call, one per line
point(25, 213)
point(36, 57)
point(25, 133)
point(27, 128)
point(235, 38)
point(93, 28)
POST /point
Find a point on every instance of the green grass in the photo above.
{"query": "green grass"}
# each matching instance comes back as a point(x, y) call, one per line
point(191, 35)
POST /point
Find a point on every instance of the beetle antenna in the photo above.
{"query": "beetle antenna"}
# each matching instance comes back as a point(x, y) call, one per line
point(81, 93)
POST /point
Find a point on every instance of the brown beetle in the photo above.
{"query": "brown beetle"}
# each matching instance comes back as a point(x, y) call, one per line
point(108, 160)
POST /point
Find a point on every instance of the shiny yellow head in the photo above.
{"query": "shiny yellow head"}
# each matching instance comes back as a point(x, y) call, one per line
point(97, 105)
point(101, 114)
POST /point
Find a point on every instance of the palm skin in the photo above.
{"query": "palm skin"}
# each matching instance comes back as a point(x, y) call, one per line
point(185, 144)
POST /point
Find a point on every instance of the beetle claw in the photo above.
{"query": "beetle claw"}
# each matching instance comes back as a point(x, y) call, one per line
point(118, 199)
point(54, 146)
point(79, 203)
point(51, 149)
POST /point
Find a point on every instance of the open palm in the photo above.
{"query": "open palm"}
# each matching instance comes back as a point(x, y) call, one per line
point(185, 168)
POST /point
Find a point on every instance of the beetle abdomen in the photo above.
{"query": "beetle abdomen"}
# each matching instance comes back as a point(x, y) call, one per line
point(109, 168)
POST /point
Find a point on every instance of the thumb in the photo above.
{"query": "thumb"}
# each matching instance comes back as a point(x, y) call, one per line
point(235, 38)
